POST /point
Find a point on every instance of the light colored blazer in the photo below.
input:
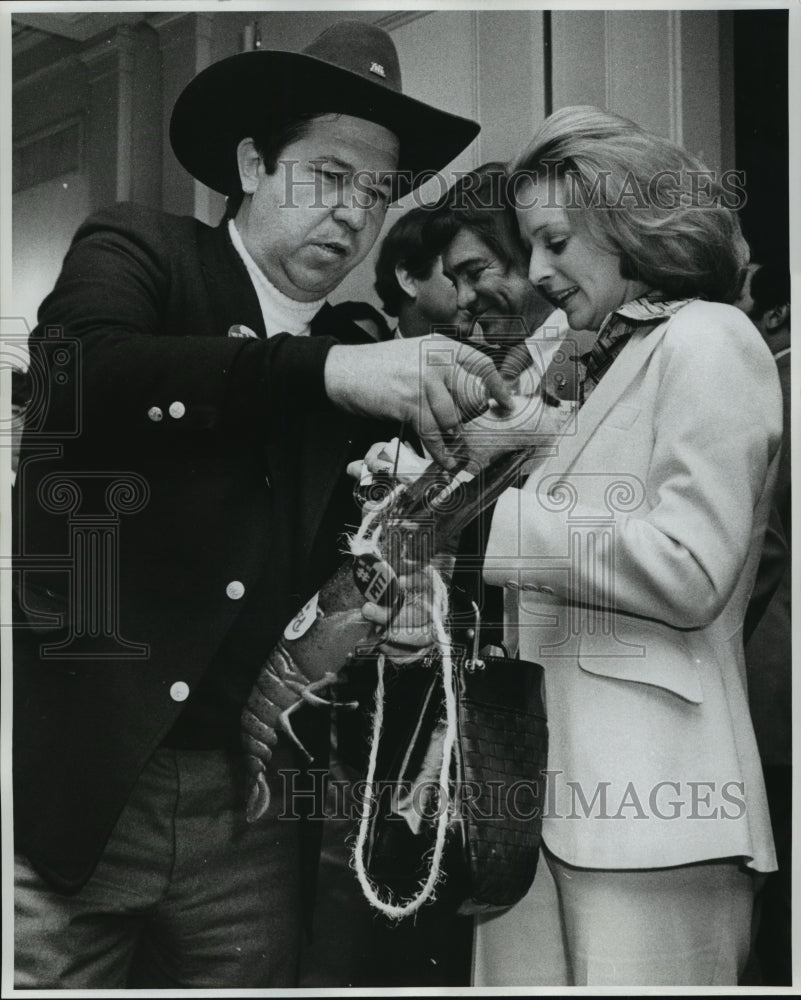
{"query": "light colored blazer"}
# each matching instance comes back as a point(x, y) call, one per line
point(628, 558)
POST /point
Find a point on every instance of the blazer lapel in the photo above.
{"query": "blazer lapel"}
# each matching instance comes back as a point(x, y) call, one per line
point(607, 393)
point(330, 322)
point(232, 295)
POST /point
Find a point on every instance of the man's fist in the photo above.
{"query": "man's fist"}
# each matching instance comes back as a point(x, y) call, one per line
point(433, 383)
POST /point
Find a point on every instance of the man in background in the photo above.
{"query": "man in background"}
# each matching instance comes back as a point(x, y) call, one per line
point(476, 232)
point(766, 300)
point(475, 229)
point(410, 282)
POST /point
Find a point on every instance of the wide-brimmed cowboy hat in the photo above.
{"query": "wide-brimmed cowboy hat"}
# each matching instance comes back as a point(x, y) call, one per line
point(352, 68)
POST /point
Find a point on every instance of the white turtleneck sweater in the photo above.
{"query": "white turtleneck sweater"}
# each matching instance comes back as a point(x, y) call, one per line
point(281, 314)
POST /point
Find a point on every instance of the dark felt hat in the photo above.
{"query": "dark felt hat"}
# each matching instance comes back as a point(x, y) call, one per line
point(352, 68)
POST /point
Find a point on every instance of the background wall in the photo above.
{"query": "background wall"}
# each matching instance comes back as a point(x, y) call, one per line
point(117, 77)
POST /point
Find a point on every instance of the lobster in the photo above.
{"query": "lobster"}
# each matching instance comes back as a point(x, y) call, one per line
point(411, 524)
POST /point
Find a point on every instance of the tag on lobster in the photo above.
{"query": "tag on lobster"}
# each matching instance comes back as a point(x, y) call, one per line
point(377, 581)
point(303, 620)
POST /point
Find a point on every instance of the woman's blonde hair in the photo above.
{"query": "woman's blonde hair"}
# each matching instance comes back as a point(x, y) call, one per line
point(671, 220)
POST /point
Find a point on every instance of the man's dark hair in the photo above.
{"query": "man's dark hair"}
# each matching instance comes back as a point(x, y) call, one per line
point(770, 288)
point(479, 202)
point(405, 245)
point(270, 145)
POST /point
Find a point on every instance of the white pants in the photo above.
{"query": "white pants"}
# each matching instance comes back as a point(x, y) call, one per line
point(685, 926)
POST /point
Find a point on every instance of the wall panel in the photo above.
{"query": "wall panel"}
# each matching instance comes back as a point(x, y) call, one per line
point(661, 68)
point(511, 81)
point(579, 58)
point(638, 67)
point(701, 82)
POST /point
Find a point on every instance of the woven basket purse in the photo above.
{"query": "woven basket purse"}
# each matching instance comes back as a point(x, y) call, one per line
point(497, 788)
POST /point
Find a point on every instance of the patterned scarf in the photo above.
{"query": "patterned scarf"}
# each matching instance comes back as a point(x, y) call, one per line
point(616, 329)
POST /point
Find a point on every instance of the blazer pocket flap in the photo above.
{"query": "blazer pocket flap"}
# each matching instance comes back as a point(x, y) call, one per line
point(644, 652)
point(622, 416)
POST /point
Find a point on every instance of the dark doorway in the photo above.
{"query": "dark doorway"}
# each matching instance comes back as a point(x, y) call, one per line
point(761, 129)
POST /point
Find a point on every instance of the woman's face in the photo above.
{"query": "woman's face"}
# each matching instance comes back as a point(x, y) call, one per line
point(566, 266)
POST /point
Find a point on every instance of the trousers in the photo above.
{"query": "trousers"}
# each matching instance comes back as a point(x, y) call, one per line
point(683, 926)
point(186, 893)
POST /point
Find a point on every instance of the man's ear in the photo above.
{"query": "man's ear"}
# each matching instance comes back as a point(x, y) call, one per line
point(777, 317)
point(248, 160)
point(407, 283)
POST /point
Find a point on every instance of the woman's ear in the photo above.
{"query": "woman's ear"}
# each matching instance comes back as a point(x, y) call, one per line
point(248, 159)
point(407, 283)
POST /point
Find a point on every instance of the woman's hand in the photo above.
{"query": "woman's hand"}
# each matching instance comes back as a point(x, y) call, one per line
point(392, 458)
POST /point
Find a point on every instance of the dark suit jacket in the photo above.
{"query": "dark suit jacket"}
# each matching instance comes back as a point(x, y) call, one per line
point(768, 622)
point(239, 479)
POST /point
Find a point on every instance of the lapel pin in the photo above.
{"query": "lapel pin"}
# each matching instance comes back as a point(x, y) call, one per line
point(240, 330)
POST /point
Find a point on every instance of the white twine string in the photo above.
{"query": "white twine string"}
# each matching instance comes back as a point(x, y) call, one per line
point(386, 905)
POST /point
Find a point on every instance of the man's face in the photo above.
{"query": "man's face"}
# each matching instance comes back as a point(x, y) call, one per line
point(312, 221)
point(485, 287)
point(436, 298)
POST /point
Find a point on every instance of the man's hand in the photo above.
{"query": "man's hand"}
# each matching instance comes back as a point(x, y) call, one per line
point(403, 643)
point(408, 635)
point(433, 383)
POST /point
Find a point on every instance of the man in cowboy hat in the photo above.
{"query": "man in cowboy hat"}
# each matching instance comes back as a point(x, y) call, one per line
point(183, 496)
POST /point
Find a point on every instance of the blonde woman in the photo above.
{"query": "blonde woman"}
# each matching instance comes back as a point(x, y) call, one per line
point(627, 560)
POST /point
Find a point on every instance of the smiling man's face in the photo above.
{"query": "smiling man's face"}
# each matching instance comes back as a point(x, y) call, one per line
point(312, 221)
point(486, 288)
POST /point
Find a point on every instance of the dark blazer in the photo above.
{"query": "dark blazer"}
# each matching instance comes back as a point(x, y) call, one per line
point(194, 479)
point(768, 624)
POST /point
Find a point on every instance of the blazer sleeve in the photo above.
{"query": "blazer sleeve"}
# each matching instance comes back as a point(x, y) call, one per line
point(716, 429)
point(118, 301)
